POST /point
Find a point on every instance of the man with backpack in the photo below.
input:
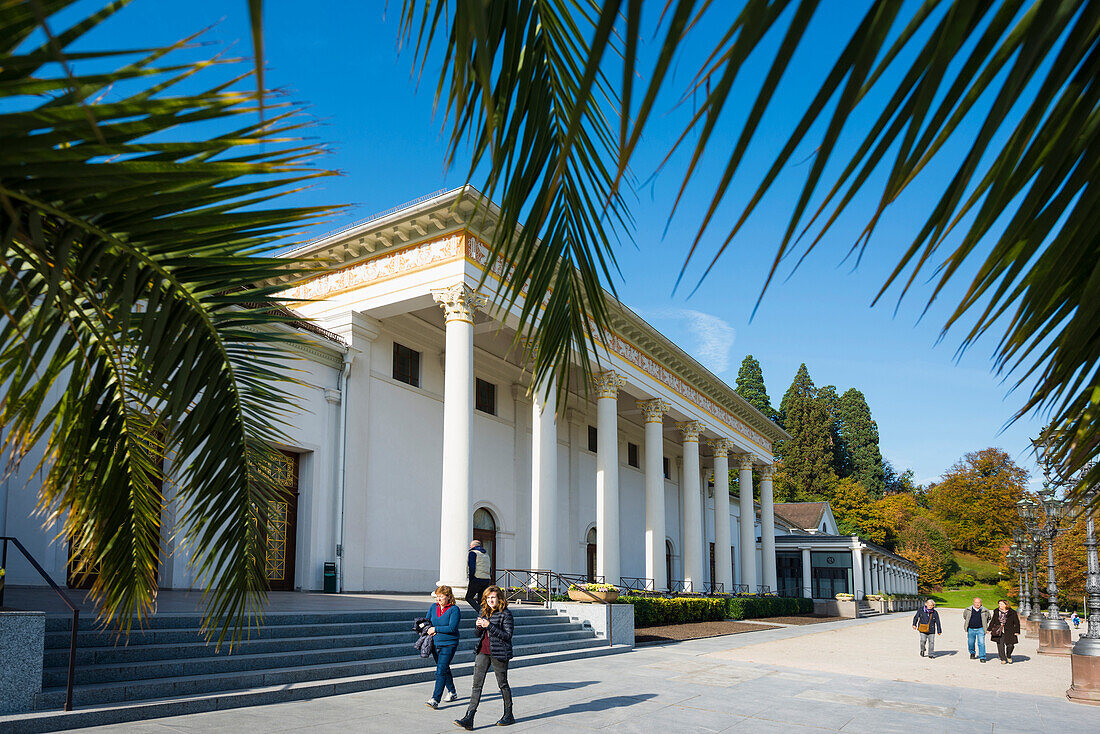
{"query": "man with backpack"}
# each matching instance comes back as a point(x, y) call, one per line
point(480, 570)
point(927, 622)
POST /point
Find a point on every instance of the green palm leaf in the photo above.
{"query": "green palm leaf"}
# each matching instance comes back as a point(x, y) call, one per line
point(130, 335)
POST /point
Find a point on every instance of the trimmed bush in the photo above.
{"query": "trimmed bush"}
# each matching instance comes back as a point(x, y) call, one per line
point(749, 607)
point(656, 611)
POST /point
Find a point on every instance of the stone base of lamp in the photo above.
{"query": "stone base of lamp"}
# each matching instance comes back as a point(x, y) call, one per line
point(1030, 628)
point(1054, 637)
point(1085, 665)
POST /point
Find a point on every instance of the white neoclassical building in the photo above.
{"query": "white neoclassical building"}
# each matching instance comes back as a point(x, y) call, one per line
point(419, 430)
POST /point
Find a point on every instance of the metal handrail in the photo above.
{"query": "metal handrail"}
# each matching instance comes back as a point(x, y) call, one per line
point(713, 588)
point(635, 583)
point(64, 597)
point(740, 589)
point(763, 589)
point(680, 586)
point(553, 581)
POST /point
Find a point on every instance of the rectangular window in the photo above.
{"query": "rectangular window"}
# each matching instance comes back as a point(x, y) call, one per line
point(592, 439)
point(632, 454)
point(485, 396)
point(406, 365)
point(664, 465)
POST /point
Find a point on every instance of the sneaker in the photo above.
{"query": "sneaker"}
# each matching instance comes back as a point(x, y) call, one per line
point(973, 656)
point(450, 697)
point(922, 653)
point(432, 703)
point(1004, 662)
point(1009, 661)
point(982, 659)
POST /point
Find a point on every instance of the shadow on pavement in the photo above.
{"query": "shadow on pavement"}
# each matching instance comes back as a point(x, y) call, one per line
point(597, 704)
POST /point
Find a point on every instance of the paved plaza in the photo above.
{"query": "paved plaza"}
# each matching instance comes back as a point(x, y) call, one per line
point(798, 680)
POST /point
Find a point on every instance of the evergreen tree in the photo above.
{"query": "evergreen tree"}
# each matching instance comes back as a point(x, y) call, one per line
point(842, 460)
point(750, 386)
point(807, 456)
point(859, 436)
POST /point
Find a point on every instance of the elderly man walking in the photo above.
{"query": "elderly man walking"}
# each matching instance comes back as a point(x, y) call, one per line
point(975, 623)
point(927, 622)
point(479, 566)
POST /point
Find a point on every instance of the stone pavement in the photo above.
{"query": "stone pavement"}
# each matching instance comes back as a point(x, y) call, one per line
point(678, 687)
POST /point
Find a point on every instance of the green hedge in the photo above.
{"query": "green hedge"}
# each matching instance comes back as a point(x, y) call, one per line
point(748, 607)
point(655, 611)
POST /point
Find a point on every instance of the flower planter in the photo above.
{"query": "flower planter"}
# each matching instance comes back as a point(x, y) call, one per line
point(587, 596)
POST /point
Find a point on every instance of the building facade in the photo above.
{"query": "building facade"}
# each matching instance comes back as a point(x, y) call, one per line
point(420, 429)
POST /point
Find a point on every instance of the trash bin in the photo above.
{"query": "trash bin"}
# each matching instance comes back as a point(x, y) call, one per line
point(330, 578)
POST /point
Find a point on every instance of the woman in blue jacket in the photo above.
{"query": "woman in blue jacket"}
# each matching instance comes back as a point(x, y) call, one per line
point(444, 618)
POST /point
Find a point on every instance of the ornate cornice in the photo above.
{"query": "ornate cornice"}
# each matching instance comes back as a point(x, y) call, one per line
point(654, 410)
point(721, 446)
point(608, 383)
point(691, 430)
point(459, 302)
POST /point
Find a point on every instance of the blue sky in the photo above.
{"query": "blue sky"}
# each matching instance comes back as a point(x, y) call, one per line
point(931, 407)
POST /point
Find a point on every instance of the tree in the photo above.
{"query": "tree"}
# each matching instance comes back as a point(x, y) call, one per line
point(750, 386)
point(859, 437)
point(976, 500)
point(895, 482)
point(807, 455)
point(998, 92)
point(898, 510)
point(926, 544)
point(841, 460)
point(857, 513)
point(136, 302)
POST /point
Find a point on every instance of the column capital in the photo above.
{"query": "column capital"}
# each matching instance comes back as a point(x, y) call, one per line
point(691, 430)
point(767, 471)
point(654, 410)
point(744, 461)
point(459, 302)
point(608, 384)
point(721, 446)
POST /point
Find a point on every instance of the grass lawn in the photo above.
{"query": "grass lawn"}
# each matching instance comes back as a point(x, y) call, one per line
point(973, 565)
point(964, 597)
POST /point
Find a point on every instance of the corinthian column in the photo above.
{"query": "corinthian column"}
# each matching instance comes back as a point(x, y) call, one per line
point(456, 521)
point(693, 543)
point(767, 529)
point(723, 563)
point(654, 411)
point(748, 532)
point(607, 476)
point(544, 477)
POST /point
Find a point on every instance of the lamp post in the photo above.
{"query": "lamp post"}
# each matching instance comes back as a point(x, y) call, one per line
point(1016, 562)
point(1028, 510)
point(1054, 635)
point(1085, 656)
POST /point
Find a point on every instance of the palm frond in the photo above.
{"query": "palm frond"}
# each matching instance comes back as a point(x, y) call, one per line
point(133, 246)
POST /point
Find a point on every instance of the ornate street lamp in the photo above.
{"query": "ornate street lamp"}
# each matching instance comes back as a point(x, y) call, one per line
point(1085, 657)
point(1016, 561)
point(1031, 544)
point(1054, 635)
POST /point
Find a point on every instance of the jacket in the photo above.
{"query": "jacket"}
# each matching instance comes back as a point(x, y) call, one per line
point(479, 565)
point(1008, 635)
point(423, 642)
point(499, 631)
point(446, 625)
point(966, 617)
point(922, 617)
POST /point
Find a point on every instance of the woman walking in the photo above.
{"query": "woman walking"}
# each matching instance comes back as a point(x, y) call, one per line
point(1004, 626)
point(444, 617)
point(494, 626)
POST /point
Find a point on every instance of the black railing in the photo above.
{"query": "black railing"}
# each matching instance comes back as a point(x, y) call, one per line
point(563, 581)
point(713, 588)
point(634, 583)
point(740, 589)
point(763, 589)
point(680, 586)
point(541, 585)
point(64, 598)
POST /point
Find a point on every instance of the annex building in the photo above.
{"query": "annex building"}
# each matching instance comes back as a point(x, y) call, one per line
point(419, 430)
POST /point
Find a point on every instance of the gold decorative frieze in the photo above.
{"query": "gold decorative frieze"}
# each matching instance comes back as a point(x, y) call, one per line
point(691, 430)
point(459, 302)
point(608, 384)
point(654, 410)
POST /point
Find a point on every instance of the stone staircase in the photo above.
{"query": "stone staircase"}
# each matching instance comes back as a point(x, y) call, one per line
point(167, 669)
point(864, 609)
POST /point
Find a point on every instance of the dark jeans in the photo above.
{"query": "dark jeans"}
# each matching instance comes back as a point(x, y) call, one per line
point(1004, 651)
point(443, 678)
point(481, 667)
point(473, 592)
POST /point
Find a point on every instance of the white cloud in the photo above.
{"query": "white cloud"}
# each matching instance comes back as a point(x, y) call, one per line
point(711, 337)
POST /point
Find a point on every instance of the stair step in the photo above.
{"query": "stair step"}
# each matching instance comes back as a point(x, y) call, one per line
point(180, 666)
point(188, 685)
point(46, 721)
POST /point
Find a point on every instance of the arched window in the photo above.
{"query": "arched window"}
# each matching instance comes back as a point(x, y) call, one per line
point(591, 554)
point(485, 530)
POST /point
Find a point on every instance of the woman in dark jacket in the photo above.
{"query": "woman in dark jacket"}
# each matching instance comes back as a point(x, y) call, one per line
point(494, 647)
point(1004, 626)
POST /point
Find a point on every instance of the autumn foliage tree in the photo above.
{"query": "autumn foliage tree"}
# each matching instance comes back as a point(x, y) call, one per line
point(926, 544)
point(975, 502)
point(856, 512)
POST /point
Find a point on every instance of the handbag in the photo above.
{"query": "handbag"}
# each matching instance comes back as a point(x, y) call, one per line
point(925, 627)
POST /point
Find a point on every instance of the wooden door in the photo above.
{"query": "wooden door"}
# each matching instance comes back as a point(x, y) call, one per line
point(485, 530)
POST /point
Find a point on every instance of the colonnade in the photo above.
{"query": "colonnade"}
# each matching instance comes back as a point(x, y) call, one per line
point(882, 574)
point(459, 303)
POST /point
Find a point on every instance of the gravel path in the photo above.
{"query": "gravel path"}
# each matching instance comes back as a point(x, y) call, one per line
point(888, 649)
